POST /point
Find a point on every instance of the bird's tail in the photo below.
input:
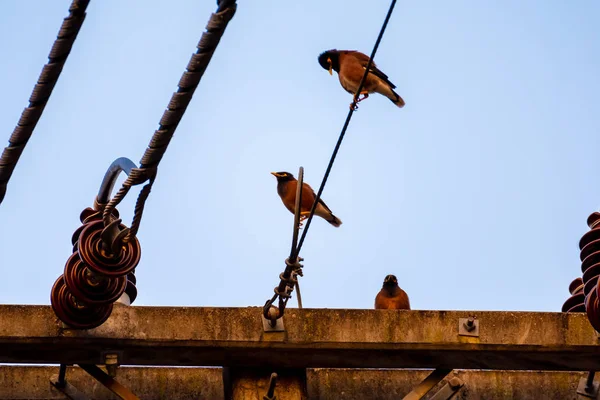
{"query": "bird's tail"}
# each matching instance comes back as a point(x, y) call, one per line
point(388, 92)
point(335, 221)
point(396, 99)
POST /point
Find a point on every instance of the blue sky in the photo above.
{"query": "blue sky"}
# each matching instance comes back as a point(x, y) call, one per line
point(475, 194)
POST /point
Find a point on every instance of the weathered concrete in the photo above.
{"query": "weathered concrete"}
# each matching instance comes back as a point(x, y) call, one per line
point(345, 384)
point(253, 383)
point(313, 338)
point(32, 382)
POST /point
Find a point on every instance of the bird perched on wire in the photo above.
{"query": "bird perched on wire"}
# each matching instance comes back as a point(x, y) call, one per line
point(286, 188)
point(350, 66)
point(391, 297)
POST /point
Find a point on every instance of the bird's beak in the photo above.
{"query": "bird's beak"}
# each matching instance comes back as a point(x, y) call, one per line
point(330, 66)
point(274, 174)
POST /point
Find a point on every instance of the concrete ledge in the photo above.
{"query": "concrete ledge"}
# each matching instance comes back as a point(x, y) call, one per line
point(313, 338)
point(32, 382)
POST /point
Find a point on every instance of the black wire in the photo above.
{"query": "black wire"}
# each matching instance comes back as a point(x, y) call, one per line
point(348, 118)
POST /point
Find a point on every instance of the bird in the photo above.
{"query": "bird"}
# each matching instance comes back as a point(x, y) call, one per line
point(286, 188)
point(350, 66)
point(391, 297)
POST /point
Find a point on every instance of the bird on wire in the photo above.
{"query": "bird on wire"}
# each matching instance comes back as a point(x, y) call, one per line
point(350, 66)
point(286, 188)
point(391, 297)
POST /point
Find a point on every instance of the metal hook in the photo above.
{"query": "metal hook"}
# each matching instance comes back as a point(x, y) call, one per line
point(122, 164)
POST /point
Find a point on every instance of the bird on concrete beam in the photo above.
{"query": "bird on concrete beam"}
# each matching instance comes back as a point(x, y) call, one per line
point(350, 66)
point(286, 188)
point(391, 297)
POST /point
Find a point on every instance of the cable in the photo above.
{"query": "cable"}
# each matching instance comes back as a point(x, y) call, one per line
point(172, 115)
point(288, 278)
point(341, 138)
point(42, 91)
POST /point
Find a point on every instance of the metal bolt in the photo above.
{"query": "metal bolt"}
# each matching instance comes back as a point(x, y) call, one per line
point(111, 361)
point(455, 382)
point(470, 324)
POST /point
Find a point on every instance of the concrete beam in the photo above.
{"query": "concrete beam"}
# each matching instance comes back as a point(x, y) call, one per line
point(32, 382)
point(234, 337)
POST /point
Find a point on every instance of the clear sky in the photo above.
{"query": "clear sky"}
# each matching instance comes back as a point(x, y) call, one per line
point(474, 195)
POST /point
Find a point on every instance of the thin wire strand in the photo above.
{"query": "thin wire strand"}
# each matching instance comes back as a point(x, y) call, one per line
point(343, 133)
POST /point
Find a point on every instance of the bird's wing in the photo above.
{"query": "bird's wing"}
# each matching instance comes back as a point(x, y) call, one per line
point(364, 60)
point(321, 202)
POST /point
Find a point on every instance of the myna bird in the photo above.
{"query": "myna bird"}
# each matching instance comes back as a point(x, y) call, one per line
point(350, 66)
point(286, 188)
point(391, 297)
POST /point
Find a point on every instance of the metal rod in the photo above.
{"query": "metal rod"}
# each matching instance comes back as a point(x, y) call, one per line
point(298, 295)
point(122, 164)
point(108, 382)
point(341, 138)
point(271, 390)
point(60, 381)
point(297, 212)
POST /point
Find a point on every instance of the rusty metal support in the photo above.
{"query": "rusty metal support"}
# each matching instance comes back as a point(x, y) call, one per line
point(427, 384)
point(108, 382)
point(41, 92)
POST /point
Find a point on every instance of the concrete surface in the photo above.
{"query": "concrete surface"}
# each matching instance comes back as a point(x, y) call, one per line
point(313, 338)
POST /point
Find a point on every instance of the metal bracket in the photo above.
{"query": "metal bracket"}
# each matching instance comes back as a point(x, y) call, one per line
point(449, 390)
point(587, 387)
point(468, 327)
point(427, 384)
point(268, 327)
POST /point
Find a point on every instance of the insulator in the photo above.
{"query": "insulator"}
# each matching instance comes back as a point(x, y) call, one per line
point(93, 279)
point(90, 288)
point(589, 247)
point(73, 313)
point(100, 261)
point(86, 216)
point(575, 303)
point(131, 289)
